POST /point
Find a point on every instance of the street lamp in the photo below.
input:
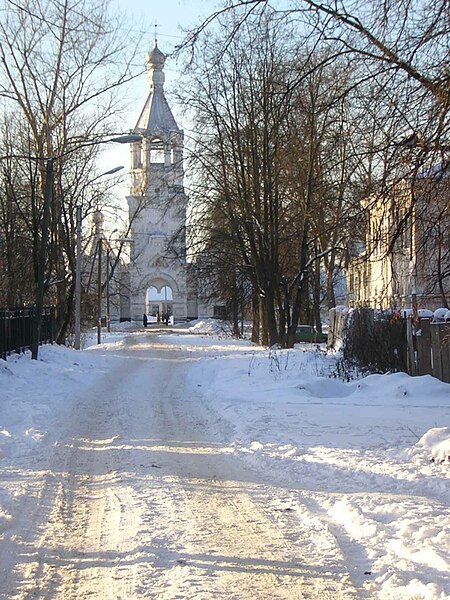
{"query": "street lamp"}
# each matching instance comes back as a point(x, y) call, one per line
point(108, 252)
point(77, 341)
point(78, 280)
point(122, 139)
point(98, 220)
point(42, 249)
point(127, 139)
point(40, 287)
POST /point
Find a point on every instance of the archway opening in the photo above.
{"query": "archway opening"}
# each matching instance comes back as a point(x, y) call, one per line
point(160, 304)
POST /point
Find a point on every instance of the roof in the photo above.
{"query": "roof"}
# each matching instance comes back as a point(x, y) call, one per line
point(155, 56)
point(156, 116)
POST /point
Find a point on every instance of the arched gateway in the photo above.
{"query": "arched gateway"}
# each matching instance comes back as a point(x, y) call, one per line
point(157, 207)
point(159, 302)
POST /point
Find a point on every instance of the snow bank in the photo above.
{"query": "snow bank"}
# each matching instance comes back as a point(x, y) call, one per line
point(209, 327)
point(370, 458)
point(36, 395)
point(436, 442)
point(125, 326)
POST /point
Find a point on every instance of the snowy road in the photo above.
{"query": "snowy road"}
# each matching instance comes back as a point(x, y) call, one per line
point(143, 499)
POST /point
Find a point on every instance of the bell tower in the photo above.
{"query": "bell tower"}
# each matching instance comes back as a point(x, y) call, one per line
point(157, 207)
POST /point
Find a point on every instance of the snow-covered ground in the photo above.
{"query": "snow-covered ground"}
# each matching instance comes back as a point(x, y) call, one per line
point(357, 473)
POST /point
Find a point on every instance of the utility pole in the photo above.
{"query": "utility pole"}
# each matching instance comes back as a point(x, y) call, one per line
point(108, 322)
point(40, 287)
point(78, 281)
point(98, 219)
point(99, 290)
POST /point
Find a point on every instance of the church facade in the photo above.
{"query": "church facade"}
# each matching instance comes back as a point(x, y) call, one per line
point(159, 278)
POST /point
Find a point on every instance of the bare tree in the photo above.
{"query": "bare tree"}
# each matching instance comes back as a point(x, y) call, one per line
point(410, 37)
point(267, 167)
point(17, 271)
point(62, 66)
point(397, 105)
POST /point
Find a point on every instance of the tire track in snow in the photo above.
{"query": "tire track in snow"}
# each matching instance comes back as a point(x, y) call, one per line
point(145, 502)
point(227, 545)
point(76, 527)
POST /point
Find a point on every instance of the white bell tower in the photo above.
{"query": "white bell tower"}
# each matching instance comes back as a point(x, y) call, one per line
point(157, 207)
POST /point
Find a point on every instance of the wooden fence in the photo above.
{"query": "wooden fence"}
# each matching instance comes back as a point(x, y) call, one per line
point(429, 349)
point(428, 344)
point(336, 328)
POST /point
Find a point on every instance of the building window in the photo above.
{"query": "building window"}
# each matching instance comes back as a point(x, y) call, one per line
point(219, 311)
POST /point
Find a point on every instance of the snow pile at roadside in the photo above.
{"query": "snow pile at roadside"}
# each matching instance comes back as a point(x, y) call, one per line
point(214, 327)
point(436, 442)
point(125, 326)
point(36, 395)
point(219, 328)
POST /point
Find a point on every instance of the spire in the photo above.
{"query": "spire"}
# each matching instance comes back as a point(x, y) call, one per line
point(155, 65)
point(156, 116)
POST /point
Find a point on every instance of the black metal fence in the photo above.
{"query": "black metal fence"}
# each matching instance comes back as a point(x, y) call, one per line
point(17, 325)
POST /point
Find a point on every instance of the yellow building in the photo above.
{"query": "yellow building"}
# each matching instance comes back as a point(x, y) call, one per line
point(407, 247)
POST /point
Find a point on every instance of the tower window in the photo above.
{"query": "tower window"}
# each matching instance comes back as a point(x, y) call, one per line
point(156, 151)
point(137, 155)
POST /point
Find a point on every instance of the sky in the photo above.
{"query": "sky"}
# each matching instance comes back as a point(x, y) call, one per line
point(171, 18)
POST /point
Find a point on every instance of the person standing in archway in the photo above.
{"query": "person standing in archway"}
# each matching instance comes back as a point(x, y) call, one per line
point(145, 320)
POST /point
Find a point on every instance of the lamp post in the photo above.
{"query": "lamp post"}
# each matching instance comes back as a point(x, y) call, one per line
point(44, 233)
point(108, 321)
point(122, 139)
point(108, 266)
point(98, 220)
point(77, 341)
point(99, 290)
point(40, 287)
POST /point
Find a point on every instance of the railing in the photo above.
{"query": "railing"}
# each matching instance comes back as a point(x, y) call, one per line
point(17, 327)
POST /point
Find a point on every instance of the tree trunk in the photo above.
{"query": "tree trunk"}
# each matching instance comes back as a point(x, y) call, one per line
point(316, 296)
point(263, 320)
point(256, 322)
point(235, 311)
point(329, 267)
